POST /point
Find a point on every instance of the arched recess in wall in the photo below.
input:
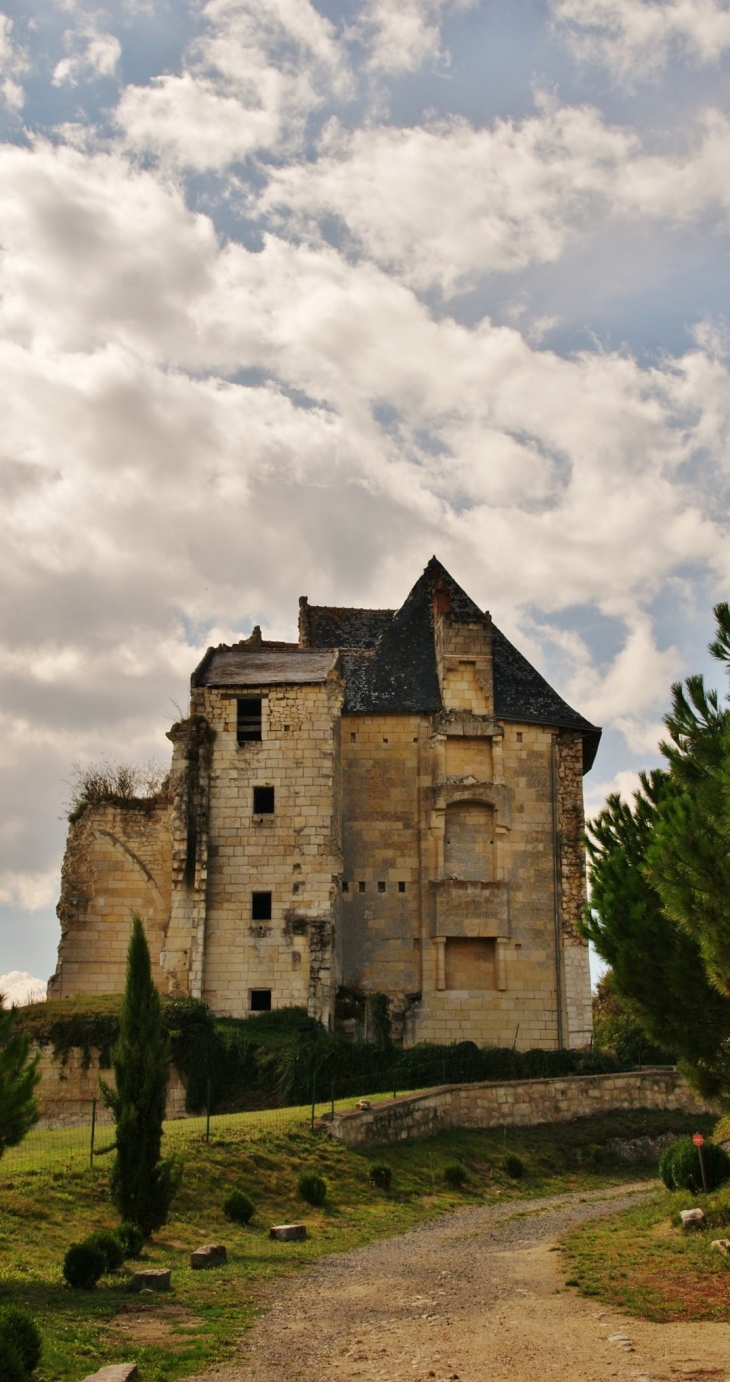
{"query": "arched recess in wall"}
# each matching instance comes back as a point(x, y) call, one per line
point(469, 840)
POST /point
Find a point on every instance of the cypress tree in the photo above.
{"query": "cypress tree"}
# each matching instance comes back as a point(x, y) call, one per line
point(143, 1184)
point(18, 1078)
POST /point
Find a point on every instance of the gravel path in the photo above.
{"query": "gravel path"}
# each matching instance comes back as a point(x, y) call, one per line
point(476, 1296)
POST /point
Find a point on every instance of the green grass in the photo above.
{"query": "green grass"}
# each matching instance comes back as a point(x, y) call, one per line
point(643, 1262)
point(44, 1208)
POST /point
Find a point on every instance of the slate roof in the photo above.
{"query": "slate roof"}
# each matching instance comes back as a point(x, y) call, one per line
point(326, 626)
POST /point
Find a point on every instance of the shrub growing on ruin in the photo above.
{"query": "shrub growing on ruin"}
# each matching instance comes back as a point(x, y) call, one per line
point(312, 1188)
point(20, 1331)
point(115, 783)
point(514, 1166)
point(454, 1174)
point(238, 1207)
point(131, 1239)
point(83, 1265)
point(381, 1175)
point(109, 1246)
point(679, 1166)
point(142, 1183)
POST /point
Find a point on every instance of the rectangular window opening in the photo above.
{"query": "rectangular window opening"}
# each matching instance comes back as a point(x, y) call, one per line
point(260, 1000)
point(401, 887)
point(248, 719)
point(381, 887)
point(261, 906)
point(263, 801)
point(361, 887)
point(345, 887)
point(519, 736)
point(353, 738)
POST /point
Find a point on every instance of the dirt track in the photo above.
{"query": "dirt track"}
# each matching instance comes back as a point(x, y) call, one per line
point(477, 1296)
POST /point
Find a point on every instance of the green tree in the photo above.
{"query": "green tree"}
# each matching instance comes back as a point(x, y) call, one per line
point(143, 1184)
point(18, 1079)
point(617, 1027)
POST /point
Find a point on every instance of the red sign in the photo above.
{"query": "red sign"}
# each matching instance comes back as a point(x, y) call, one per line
point(698, 1139)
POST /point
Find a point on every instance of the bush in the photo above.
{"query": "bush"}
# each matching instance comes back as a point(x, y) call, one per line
point(381, 1175)
point(679, 1166)
point(514, 1166)
point(109, 1246)
point(238, 1207)
point(19, 1329)
point(594, 1153)
point(83, 1265)
point(454, 1174)
point(11, 1363)
point(131, 1239)
point(312, 1188)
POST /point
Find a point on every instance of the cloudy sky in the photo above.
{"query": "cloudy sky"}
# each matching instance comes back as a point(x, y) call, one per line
point(293, 295)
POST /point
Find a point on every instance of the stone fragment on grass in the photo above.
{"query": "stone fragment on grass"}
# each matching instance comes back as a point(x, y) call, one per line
point(153, 1279)
point(692, 1218)
point(721, 1245)
point(211, 1255)
point(115, 1372)
point(288, 1233)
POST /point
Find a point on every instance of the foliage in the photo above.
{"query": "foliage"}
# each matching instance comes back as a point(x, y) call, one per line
point(18, 1327)
point(657, 967)
point(83, 1265)
point(514, 1166)
point(11, 1363)
point(110, 1246)
point(143, 1184)
point(679, 1166)
point(238, 1207)
point(18, 1078)
point(379, 1021)
point(454, 1174)
point(131, 1239)
point(617, 1027)
point(381, 1175)
point(312, 1188)
point(121, 784)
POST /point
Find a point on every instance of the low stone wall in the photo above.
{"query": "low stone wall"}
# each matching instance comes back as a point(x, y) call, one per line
point(514, 1103)
point(66, 1090)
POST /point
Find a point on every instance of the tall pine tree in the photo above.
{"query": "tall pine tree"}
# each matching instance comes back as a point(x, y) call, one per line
point(143, 1184)
point(18, 1078)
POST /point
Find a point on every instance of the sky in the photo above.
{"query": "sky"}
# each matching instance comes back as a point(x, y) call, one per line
point(294, 295)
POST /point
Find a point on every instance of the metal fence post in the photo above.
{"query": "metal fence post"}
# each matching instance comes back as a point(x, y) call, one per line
point(333, 1098)
point(93, 1128)
point(207, 1112)
point(314, 1094)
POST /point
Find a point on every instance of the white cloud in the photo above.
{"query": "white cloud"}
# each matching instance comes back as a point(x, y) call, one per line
point(28, 890)
point(402, 37)
point(637, 38)
point(248, 84)
point(92, 54)
point(17, 988)
point(13, 63)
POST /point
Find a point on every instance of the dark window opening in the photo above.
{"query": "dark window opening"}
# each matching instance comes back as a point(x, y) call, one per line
point(519, 736)
point(261, 906)
point(353, 737)
point(248, 719)
point(263, 801)
point(401, 887)
point(361, 887)
point(384, 740)
point(345, 887)
point(260, 1000)
point(381, 887)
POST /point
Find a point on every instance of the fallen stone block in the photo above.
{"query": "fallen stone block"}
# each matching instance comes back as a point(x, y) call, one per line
point(211, 1255)
point(115, 1372)
point(721, 1245)
point(364, 1104)
point(288, 1233)
point(692, 1218)
point(154, 1279)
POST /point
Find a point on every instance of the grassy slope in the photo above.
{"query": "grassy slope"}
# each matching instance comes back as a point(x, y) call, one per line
point(42, 1211)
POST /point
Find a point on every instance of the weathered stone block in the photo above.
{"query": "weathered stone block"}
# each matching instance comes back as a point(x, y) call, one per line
point(115, 1372)
point(693, 1218)
point(211, 1255)
point(153, 1279)
point(288, 1233)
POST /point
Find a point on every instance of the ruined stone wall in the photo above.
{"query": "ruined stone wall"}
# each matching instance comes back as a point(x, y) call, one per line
point(66, 1089)
point(578, 1014)
point(518, 1103)
point(117, 861)
point(293, 853)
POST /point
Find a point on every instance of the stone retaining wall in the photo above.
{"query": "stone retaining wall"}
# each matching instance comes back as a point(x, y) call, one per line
point(514, 1102)
point(65, 1091)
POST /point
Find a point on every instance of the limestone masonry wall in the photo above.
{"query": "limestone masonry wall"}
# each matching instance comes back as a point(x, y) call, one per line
point(513, 1103)
point(66, 1089)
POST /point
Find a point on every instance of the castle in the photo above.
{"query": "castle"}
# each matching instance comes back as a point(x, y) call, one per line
point(392, 804)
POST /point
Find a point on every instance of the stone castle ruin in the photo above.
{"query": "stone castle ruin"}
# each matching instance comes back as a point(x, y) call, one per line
point(392, 804)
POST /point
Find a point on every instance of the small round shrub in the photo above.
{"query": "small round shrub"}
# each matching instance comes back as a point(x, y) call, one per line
point(131, 1239)
point(83, 1265)
point(110, 1247)
point(11, 1363)
point(514, 1166)
point(312, 1188)
point(679, 1166)
point(594, 1153)
point(381, 1175)
point(454, 1174)
point(18, 1328)
point(238, 1207)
